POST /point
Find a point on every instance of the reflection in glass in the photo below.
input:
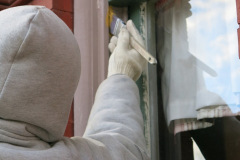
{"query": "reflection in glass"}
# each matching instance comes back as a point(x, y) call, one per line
point(198, 51)
point(197, 48)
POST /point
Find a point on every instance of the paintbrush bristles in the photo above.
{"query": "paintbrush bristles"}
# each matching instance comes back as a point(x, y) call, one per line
point(116, 25)
point(114, 22)
point(109, 16)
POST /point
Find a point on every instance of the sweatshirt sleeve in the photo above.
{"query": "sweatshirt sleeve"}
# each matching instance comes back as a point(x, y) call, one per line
point(116, 120)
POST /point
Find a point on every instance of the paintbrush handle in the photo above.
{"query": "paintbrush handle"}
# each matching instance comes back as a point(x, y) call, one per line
point(138, 47)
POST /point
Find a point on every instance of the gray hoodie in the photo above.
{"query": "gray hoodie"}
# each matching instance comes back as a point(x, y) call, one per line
point(39, 72)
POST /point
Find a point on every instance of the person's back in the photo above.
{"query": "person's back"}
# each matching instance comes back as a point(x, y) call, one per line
point(39, 72)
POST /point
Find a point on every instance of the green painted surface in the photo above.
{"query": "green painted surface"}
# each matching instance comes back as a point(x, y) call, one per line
point(152, 81)
point(134, 14)
point(143, 15)
point(124, 3)
point(137, 13)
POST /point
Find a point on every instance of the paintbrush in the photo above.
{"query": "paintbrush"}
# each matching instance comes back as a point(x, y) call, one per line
point(116, 24)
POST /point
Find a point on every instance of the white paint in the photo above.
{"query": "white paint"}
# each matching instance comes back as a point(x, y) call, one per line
point(197, 154)
point(143, 31)
point(92, 35)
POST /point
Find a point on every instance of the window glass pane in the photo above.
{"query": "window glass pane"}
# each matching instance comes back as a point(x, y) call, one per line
point(197, 47)
point(212, 37)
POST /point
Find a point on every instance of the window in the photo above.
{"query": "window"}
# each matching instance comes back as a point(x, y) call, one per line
point(197, 49)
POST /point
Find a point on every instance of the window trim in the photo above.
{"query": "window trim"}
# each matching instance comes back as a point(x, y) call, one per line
point(92, 34)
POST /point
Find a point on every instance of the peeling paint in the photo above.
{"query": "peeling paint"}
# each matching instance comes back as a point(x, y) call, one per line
point(145, 91)
point(143, 21)
point(138, 13)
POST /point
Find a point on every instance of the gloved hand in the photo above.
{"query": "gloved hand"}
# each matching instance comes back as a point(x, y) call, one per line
point(125, 59)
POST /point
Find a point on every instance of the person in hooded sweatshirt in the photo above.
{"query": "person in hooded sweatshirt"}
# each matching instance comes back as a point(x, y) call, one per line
point(39, 72)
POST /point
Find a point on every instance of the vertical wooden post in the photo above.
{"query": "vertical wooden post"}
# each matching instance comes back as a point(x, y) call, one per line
point(92, 34)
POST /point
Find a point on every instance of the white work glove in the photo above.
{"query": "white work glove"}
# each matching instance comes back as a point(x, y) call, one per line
point(125, 59)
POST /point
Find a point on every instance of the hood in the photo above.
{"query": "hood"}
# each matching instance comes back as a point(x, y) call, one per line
point(39, 71)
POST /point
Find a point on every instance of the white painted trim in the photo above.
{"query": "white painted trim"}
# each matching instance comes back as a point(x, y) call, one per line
point(92, 35)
